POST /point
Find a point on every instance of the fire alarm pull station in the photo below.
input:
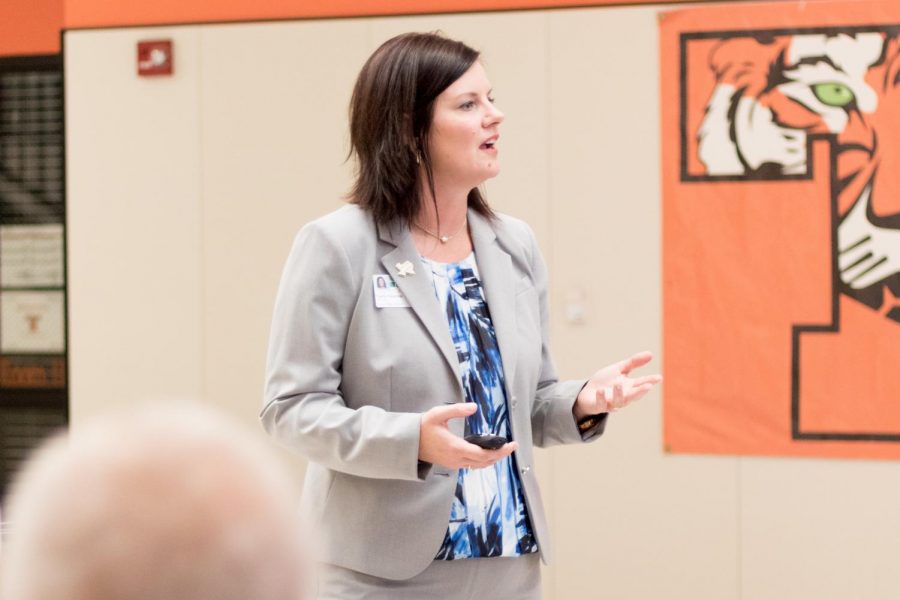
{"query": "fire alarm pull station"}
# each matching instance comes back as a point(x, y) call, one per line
point(155, 58)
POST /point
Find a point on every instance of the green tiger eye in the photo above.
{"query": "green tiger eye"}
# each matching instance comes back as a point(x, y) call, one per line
point(834, 94)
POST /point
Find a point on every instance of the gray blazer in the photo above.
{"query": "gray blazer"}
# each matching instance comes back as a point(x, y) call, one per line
point(347, 383)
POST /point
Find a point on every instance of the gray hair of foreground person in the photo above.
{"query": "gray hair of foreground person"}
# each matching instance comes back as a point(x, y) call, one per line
point(170, 503)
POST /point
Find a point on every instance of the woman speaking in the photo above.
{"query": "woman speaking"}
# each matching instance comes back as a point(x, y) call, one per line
point(409, 359)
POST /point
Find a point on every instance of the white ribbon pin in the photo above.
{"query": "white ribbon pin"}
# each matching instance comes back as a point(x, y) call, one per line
point(405, 268)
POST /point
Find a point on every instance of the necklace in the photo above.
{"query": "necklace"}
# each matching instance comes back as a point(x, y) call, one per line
point(443, 238)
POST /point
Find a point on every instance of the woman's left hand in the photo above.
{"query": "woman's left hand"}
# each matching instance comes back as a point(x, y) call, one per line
point(611, 388)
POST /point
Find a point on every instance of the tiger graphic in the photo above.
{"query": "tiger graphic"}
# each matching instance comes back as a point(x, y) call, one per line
point(774, 91)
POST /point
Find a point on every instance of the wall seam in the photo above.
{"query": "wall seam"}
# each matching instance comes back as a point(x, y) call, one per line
point(740, 525)
point(201, 209)
point(549, 248)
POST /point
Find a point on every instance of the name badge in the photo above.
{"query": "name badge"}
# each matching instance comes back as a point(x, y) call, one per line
point(387, 294)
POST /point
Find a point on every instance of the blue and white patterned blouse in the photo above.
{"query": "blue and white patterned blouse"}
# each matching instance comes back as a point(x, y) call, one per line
point(488, 516)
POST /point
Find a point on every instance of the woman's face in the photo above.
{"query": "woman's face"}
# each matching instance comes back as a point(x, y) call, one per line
point(464, 131)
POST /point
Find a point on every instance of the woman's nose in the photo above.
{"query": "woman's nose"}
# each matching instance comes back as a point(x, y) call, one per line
point(494, 117)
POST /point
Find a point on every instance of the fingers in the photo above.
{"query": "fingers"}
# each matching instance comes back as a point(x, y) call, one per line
point(618, 396)
point(603, 399)
point(639, 392)
point(441, 446)
point(475, 457)
point(638, 360)
point(457, 410)
point(611, 398)
point(648, 379)
point(622, 394)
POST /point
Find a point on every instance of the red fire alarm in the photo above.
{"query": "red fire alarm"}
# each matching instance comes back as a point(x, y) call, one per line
point(155, 57)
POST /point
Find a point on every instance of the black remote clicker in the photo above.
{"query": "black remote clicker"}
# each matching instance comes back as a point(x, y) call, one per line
point(487, 441)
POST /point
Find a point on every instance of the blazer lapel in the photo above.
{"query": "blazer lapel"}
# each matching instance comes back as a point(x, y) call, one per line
point(418, 290)
point(498, 282)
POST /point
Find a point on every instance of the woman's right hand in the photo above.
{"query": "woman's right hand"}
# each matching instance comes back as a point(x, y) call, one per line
point(439, 446)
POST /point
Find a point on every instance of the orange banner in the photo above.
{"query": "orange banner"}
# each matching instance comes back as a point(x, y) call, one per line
point(102, 13)
point(30, 27)
point(781, 229)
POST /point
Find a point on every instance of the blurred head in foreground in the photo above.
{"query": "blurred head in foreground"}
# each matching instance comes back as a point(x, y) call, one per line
point(166, 503)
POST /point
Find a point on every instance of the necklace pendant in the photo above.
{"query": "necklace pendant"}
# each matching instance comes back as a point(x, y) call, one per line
point(444, 239)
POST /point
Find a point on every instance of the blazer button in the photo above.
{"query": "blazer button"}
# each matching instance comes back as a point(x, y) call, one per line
point(525, 470)
point(514, 402)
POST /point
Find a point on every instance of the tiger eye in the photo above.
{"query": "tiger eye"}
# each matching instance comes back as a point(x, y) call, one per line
point(834, 94)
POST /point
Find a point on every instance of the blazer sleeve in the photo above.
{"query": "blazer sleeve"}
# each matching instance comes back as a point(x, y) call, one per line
point(304, 408)
point(552, 420)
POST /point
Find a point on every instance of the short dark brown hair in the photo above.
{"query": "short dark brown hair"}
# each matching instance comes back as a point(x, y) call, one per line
point(390, 120)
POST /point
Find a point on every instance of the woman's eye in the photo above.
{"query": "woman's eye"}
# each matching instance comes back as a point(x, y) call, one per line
point(491, 99)
point(467, 105)
point(834, 94)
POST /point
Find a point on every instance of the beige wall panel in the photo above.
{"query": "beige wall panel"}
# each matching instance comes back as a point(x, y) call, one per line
point(133, 221)
point(823, 529)
point(274, 135)
point(632, 522)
